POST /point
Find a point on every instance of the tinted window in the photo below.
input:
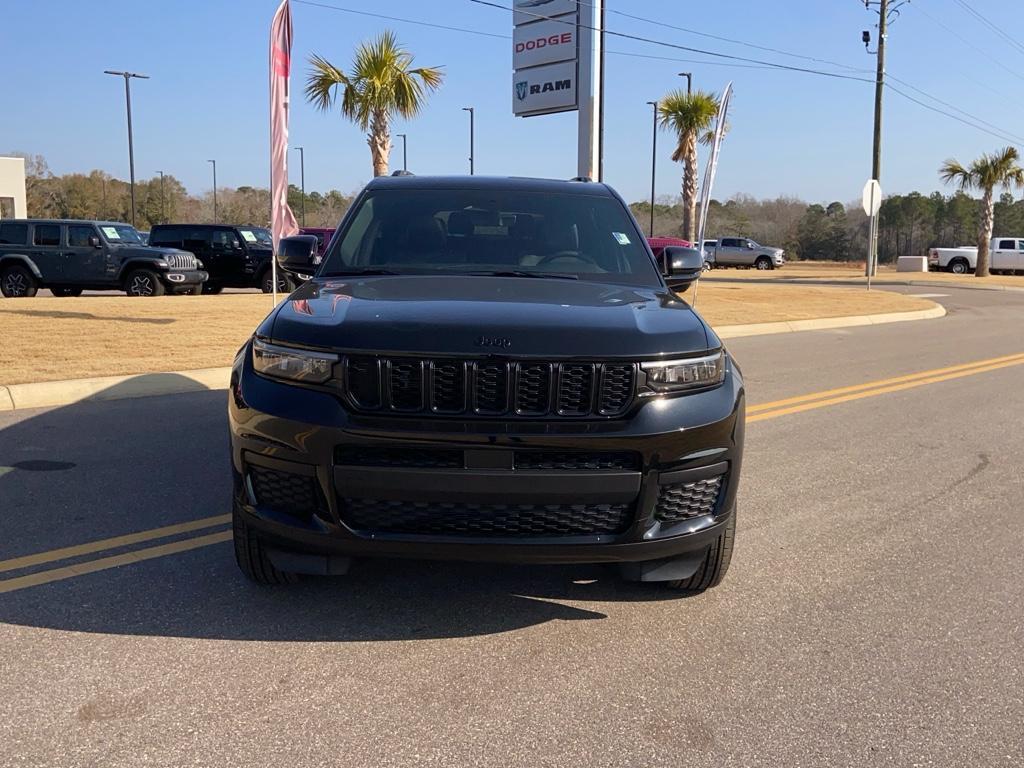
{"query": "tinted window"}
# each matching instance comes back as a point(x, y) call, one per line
point(14, 234)
point(196, 238)
point(729, 242)
point(223, 238)
point(167, 235)
point(78, 236)
point(47, 234)
point(472, 231)
point(1008, 245)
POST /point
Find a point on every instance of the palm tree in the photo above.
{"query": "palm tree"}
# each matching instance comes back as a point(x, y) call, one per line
point(986, 173)
point(689, 116)
point(381, 85)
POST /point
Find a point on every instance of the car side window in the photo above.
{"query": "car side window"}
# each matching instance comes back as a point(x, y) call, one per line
point(222, 238)
point(13, 234)
point(170, 236)
point(46, 234)
point(1007, 245)
point(196, 238)
point(78, 236)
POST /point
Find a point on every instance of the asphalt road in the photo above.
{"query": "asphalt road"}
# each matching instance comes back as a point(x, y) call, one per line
point(873, 615)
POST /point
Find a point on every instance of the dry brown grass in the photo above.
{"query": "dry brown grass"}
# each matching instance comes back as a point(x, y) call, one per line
point(833, 270)
point(48, 339)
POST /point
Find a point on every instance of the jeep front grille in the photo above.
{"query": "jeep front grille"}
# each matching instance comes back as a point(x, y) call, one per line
point(485, 388)
point(182, 260)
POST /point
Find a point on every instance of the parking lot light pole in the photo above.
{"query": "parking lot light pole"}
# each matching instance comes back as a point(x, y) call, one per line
point(163, 214)
point(689, 81)
point(128, 105)
point(214, 189)
point(653, 166)
point(302, 171)
point(471, 137)
point(405, 156)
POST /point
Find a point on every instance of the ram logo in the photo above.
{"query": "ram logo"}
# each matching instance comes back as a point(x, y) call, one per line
point(521, 89)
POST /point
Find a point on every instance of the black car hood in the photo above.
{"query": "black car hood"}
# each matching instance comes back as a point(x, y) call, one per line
point(460, 315)
point(151, 251)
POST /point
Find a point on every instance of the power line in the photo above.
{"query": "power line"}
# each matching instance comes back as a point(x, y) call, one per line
point(969, 115)
point(950, 115)
point(920, 9)
point(733, 41)
point(676, 46)
point(998, 30)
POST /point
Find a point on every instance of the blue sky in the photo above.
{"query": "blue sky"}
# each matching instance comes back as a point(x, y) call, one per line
point(791, 133)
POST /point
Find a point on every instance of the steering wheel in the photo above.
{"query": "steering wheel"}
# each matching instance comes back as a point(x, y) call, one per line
point(566, 255)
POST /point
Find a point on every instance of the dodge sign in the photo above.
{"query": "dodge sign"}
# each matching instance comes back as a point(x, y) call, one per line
point(544, 89)
point(543, 43)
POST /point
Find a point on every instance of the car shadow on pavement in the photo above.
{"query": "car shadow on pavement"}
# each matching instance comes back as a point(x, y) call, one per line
point(100, 469)
point(60, 315)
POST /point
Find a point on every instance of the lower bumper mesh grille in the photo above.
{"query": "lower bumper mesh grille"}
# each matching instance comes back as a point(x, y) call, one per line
point(297, 495)
point(684, 501)
point(498, 520)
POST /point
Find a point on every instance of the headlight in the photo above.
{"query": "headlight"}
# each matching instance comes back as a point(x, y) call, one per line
point(692, 373)
point(291, 363)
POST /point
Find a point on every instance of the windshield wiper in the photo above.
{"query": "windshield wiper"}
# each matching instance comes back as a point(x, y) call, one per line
point(523, 273)
point(353, 272)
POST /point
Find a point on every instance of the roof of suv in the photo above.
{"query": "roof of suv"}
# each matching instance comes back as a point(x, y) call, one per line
point(67, 221)
point(496, 183)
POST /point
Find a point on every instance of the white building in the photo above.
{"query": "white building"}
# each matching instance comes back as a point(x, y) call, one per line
point(12, 188)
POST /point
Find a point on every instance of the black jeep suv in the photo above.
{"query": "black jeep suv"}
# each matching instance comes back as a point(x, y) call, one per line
point(69, 256)
point(486, 369)
point(235, 257)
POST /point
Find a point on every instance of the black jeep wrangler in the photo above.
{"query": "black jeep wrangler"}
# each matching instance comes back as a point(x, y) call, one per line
point(69, 256)
point(487, 369)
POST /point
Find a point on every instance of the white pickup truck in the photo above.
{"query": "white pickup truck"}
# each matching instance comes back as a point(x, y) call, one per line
point(1006, 256)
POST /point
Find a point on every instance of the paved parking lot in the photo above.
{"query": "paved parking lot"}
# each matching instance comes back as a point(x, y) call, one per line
point(874, 613)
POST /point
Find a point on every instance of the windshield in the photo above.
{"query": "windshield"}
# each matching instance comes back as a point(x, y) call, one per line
point(121, 234)
point(256, 236)
point(517, 233)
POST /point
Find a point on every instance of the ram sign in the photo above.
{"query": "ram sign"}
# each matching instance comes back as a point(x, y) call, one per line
point(542, 90)
point(543, 43)
point(525, 11)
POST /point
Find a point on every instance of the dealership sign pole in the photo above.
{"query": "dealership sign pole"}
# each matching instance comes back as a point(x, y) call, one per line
point(556, 62)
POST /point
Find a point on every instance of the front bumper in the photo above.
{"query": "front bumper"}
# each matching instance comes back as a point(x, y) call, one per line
point(301, 433)
point(183, 278)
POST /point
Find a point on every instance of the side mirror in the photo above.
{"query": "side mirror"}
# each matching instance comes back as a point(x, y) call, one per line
point(94, 241)
point(681, 266)
point(235, 245)
point(295, 255)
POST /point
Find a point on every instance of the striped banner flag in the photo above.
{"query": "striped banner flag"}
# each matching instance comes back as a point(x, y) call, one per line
point(282, 221)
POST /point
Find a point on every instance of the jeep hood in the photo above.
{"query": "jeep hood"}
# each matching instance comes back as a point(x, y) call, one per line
point(465, 315)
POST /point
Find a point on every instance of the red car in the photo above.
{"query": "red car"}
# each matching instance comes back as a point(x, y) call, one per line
point(323, 237)
point(658, 244)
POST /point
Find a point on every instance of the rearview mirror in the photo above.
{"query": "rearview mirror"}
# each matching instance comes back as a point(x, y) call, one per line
point(681, 266)
point(295, 255)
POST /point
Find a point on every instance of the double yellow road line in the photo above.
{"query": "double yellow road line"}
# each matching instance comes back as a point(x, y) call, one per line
point(755, 413)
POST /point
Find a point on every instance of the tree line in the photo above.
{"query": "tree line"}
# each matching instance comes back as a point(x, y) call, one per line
point(98, 195)
point(908, 224)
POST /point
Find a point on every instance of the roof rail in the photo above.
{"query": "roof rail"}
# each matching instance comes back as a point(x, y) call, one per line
point(402, 173)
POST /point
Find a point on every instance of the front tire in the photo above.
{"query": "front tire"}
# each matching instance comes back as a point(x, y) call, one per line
point(16, 282)
point(763, 262)
point(252, 558)
point(266, 280)
point(143, 282)
point(716, 563)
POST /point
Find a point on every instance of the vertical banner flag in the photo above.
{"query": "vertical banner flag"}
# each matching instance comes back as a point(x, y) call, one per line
point(282, 221)
point(709, 173)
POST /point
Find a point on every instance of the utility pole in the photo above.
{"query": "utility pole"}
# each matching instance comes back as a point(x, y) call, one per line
point(214, 189)
point(654, 161)
point(887, 10)
point(472, 130)
point(128, 105)
point(163, 213)
point(405, 156)
point(302, 171)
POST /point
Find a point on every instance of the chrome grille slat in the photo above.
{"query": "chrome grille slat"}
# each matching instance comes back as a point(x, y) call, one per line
point(488, 388)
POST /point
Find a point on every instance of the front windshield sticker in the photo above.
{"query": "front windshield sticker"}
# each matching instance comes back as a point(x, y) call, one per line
point(620, 238)
point(248, 236)
point(111, 233)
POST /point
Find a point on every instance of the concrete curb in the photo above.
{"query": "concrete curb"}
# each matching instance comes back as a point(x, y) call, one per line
point(16, 397)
